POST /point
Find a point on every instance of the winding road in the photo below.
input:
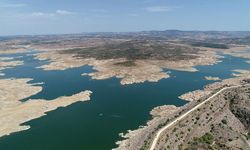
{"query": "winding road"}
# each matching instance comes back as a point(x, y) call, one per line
point(153, 145)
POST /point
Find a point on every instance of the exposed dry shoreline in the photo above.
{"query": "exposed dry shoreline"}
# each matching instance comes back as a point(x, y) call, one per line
point(136, 139)
point(144, 70)
point(13, 51)
point(239, 52)
point(241, 73)
point(208, 89)
point(13, 112)
point(8, 62)
point(12, 47)
point(212, 78)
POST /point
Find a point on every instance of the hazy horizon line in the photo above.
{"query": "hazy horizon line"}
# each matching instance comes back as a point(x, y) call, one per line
point(95, 32)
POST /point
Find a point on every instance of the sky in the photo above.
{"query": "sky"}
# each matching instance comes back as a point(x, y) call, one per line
point(31, 17)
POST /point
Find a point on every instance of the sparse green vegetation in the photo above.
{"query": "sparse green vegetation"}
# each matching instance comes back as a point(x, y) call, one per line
point(174, 130)
point(180, 147)
point(210, 45)
point(248, 135)
point(128, 63)
point(206, 138)
point(224, 121)
point(136, 49)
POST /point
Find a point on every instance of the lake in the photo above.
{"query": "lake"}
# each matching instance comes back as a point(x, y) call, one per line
point(113, 108)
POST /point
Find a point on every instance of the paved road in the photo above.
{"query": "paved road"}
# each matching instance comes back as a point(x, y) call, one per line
point(187, 113)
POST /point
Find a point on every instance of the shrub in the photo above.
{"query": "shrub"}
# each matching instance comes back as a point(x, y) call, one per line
point(206, 138)
point(248, 135)
point(224, 121)
point(174, 130)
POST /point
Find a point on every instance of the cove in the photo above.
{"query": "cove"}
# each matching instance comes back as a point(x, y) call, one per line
point(113, 108)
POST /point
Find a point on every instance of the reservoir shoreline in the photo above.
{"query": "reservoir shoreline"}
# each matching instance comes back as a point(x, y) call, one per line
point(173, 73)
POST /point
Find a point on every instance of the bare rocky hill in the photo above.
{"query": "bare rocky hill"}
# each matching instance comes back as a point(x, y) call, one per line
point(221, 123)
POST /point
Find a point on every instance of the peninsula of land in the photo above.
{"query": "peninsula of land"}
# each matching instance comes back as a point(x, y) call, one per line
point(216, 118)
point(14, 112)
point(135, 58)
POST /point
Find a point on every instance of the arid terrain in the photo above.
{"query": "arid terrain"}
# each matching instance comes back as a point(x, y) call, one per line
point(14, 112)
point(132, 57)
point(220, 123)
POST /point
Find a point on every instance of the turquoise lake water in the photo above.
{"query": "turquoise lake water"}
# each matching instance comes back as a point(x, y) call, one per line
point(113, 108)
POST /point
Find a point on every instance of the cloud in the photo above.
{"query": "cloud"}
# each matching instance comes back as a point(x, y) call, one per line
point(64, 12)
point(160, 8)
point(40, 14)
point(56, 13)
